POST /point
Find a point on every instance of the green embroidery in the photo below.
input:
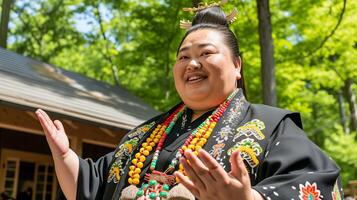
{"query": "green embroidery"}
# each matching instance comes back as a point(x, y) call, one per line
point(252, 128)
point(139, 132)
point(115, 172)
point(127, 148)
point(249, 151)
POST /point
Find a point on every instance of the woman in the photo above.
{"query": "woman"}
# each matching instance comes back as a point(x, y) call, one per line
point(215, 143)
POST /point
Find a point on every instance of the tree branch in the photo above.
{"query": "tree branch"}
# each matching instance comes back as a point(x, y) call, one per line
point(312, 52)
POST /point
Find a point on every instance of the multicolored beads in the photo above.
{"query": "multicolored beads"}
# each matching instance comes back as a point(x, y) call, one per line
point(194, 142)
point(199, 136)
point(156, 138)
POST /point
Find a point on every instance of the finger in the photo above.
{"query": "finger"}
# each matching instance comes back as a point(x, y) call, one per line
point(58, 125)
point(238, 169)
point(48, 121)
point(192, 175)
point(41, 119)
point(215, 169)
point(188, 184)
point(200, 169)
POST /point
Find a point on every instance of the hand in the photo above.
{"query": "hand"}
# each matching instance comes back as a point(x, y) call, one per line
point(55, 134)
point(208, 180)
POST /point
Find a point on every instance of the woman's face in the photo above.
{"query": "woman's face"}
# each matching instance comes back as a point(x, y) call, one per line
point(205, 71)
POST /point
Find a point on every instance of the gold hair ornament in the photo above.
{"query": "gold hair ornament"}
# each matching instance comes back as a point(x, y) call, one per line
point(202, 6)
point(231, 17)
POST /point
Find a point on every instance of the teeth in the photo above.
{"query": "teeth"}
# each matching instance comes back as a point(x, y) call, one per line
point(194, 78)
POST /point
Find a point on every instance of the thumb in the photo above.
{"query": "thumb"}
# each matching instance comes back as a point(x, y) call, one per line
point(238, 169)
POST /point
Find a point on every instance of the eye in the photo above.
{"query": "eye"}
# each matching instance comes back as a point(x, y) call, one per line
point(206, 53)
point(183, 57)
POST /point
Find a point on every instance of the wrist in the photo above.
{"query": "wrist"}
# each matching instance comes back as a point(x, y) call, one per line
point(257, 195)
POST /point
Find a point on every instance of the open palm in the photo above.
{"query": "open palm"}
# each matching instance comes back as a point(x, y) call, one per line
point(55, 134)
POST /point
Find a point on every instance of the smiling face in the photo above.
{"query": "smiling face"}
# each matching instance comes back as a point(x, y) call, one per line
point(205, 71)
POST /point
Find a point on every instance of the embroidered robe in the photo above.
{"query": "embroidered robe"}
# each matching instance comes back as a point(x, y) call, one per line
point(282, 162)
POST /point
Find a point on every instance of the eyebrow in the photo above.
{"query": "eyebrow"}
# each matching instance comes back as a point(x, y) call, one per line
point(200, 46)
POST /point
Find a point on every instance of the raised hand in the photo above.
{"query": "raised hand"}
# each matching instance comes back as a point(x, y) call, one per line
point(55, 134)
point(208, 180)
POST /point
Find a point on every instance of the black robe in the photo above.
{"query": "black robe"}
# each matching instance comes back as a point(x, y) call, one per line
point(282, 162)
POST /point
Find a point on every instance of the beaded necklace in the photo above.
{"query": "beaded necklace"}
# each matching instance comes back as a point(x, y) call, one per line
point(195, 142)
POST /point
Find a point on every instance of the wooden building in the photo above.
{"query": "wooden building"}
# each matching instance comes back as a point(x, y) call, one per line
point(95, 116)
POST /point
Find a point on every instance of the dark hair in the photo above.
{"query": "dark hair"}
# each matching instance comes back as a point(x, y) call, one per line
point(214, 18)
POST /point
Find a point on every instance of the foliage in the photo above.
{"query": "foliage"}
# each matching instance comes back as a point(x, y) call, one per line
point(342, 148)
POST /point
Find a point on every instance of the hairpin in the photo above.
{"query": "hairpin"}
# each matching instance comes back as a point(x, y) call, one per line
point(202, 6)
point(231, 17)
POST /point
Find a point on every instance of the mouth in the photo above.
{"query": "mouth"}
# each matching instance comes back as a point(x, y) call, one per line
point(195, 78)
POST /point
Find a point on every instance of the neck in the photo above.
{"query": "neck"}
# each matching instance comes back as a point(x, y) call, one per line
point(198, 113)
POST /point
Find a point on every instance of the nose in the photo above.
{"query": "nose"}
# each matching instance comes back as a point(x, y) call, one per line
point(193, 65)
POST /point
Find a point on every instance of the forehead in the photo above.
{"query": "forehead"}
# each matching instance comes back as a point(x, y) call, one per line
point(204, 36)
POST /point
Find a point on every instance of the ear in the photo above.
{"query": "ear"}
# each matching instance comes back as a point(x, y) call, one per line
point(237, 64)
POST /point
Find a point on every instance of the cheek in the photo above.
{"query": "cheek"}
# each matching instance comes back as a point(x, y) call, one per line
point(177, 72)
point(217, 65)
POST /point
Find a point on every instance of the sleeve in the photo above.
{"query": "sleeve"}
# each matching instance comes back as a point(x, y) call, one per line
point(91, 178)
point(295, 168)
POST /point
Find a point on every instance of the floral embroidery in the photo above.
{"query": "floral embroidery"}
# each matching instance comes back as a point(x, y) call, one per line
point(309, 191)
point(225, 132)
point(122, 153)
point(127, 147)
point(115, 172)
point(217, 150)
point(139, 132)
point(249, 150)
point(336, 193)
point(252, 128)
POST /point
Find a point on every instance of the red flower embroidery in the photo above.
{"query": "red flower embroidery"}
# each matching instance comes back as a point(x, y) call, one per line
point(309, 191)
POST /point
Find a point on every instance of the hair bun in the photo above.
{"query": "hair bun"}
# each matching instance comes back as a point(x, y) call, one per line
point(212, 15)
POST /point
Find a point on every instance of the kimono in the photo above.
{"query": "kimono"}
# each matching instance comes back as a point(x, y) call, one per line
point(282, 162)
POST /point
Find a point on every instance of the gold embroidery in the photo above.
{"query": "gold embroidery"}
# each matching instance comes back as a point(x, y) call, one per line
point(252, 128)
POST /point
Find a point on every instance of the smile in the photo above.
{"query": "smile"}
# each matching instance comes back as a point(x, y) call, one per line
point(196, 78)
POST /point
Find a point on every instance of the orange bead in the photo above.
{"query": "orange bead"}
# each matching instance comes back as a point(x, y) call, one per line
point(134, 161)
point(194, 141)
point(144, 144)
point(136, 176)
point(149, 148)
point(142, 158)
point(137, 171)
point(204, 140)
point(206, 136)
point(148, 140)
point(156, 140)
point(136, 181)
point(146, 152)
point(181, 167)
point(200, 143)
point(131, 173)
point(132, 167)
point(137, 155)
point(130, 181)
point(140, 165)
point(152, 144)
